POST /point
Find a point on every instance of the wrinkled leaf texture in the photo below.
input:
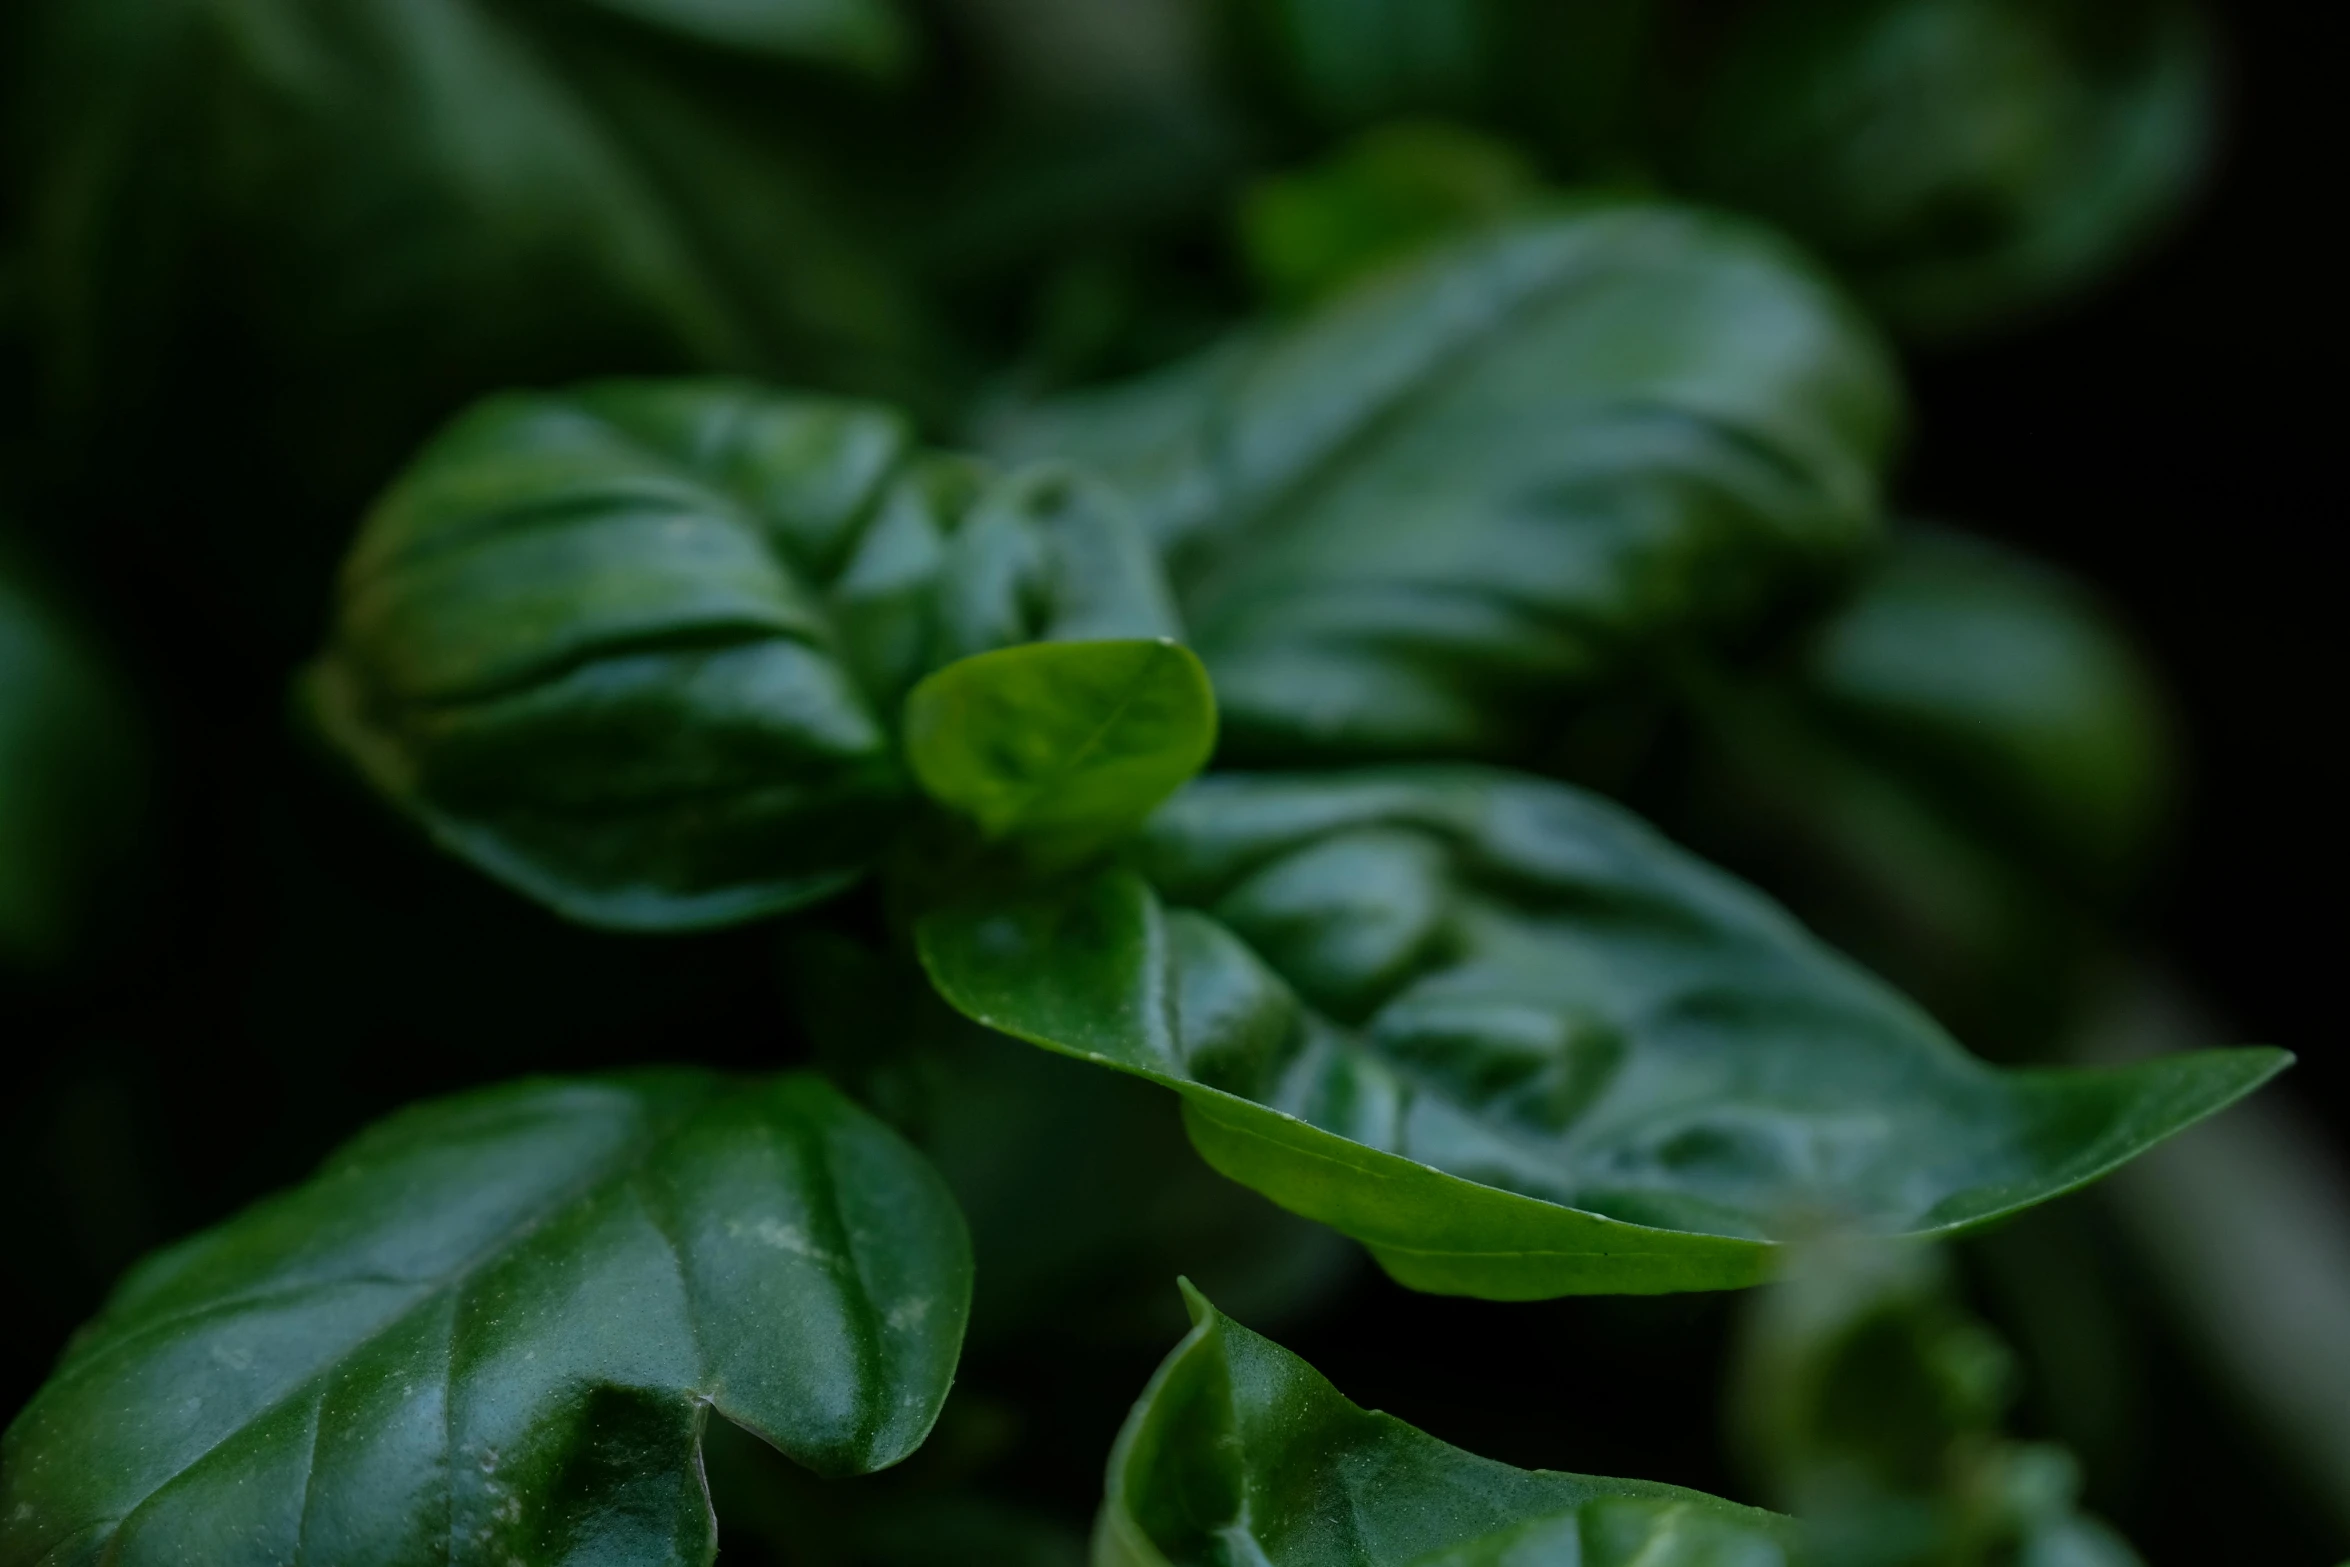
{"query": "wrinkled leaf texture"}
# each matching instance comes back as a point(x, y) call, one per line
point(1520, 1046)
point(1413, 521)
point(1239, 1451)
point(638, 649)
point(490, 1331)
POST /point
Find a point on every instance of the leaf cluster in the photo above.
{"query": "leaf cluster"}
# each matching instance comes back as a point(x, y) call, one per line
point(1201, 556)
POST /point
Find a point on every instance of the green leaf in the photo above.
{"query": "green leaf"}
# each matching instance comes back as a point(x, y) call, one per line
point(1389, 192)
point(1520, 1046)
point(632, 648)
point(1078, 1185)
point(2002, 690)
point(233, 202)
point(869, 35)
point(1870, 1402)
point(1238, 1451)
point(1963, 161)
point(1515, 467)
point(490, 1331)
point(1066, 742)
point(1955, 774)
point(72, 775)
point(1348, 63)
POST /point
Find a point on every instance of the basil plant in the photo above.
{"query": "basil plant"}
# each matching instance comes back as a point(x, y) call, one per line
point(1208, 749)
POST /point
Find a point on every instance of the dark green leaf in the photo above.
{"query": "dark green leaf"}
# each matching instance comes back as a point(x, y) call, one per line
point(490, 1330)
point(1411, 521)
point(71, 775)
point(867, 34)
point(1871, 1404)
point(1067, 742)
point(1991, 682)
point(1961, 160)
point(1238, 1451)
point(1958, 771)
point(1390, 192)
point(1520, 1046)
point(633, 648)
point(1078, 1185)
point(234, 203)
point(1345, 62)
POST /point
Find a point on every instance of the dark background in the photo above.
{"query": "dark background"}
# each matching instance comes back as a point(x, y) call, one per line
point(296, 964)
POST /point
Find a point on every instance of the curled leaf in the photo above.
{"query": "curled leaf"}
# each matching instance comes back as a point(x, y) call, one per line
point(635, 649)
point(1240, 1451)
point(490, 1331)
point(1508, 469)
point(1520, 1046)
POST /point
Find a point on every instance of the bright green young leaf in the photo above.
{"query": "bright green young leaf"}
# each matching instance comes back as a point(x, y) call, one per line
point(1238, 1451)
point(490, 1330)
point(1961, 161)
point(635, 648)
point(71, 776)
point(1871, 1403)
point(1409, 522)
point(1062, 742)
point(1520, 1046)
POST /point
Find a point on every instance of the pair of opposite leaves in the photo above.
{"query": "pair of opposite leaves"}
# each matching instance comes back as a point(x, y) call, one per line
point(638, 649)
point(633, 649)
point(606, 645)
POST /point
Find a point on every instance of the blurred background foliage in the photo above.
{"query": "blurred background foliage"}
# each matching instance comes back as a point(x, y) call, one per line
point(2051, 761)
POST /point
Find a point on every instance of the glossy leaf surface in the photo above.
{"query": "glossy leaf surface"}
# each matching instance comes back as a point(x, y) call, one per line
point(1407, 522)
point(1063, 742)
point(1520, 1046)
point(1962, 161)
point(1078, 1184)
point(1239, 1451)
point(637, 649)
point(490, 1331)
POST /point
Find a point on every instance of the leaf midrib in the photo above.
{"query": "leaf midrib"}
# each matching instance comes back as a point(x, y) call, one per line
point(579, 1191)
point(1067, 768)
